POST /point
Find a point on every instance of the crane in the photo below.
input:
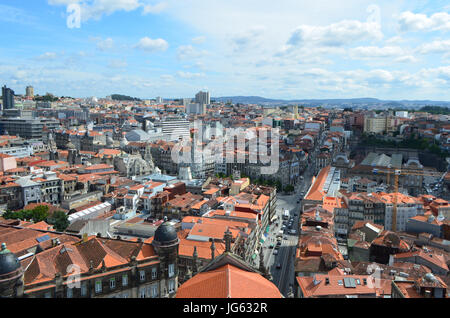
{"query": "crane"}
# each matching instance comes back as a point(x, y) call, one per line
point(397, 173)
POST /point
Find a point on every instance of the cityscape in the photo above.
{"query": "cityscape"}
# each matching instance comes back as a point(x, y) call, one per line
point(179, 168)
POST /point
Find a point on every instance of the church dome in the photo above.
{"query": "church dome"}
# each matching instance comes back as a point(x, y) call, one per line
point(9, 263)
point(165, 234)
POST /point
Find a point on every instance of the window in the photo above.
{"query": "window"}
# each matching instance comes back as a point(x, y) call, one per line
point(124, 280)
point(154, 273)
point(171, 286)
point(98, 286)
point(153, 291)
point(142, 293)
point(112, 283)
point(142, 275)
point(48, 295)
point(69, 292)
point(171, 270)
point(83, 289)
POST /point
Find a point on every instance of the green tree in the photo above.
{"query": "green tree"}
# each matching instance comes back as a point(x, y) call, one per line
point(278, 185)
point(289, 188)
point(59, 220)
point(40, 213)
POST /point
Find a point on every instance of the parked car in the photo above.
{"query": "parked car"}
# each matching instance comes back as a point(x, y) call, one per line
point(278, 266)
point(275, 252)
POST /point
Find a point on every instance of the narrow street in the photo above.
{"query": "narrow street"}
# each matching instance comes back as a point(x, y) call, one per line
point(284, 276)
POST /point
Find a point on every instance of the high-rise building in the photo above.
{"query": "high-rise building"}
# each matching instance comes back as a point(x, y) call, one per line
point(27, 128)
point(203, 98)
point(30, 91)
point(159, 100)
point(8, 98)
point(174, 127)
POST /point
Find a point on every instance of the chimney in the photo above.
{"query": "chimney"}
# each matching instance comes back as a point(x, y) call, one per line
point(391, 260)
point(55, 242)
point(85, 237)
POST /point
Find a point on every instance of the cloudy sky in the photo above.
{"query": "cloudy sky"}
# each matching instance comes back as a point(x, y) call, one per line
point(287, 49)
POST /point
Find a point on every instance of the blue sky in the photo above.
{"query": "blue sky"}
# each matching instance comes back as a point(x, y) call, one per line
point(173, 48)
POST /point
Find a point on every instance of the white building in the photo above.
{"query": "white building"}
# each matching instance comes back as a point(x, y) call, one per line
point(407, 207)
point(196, 109)
point(174, 128)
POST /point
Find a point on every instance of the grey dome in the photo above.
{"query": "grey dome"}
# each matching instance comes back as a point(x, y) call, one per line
point(8, 262)
point(166, 234)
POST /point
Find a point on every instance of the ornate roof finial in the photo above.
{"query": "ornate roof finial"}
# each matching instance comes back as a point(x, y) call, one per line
point(195, 257)
point(227, 239)
point(213, 248)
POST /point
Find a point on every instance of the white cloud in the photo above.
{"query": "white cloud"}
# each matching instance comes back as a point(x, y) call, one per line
point(365, 52)
point(47, 56)
point(154, 9)
point(407, 59)
point(395, 40)
point(199, 40)
point(250, 38)
point(435, 47)
point(167, 77)
point(117, 64)
point(150, 45)
point(335, 35)
point(15, 15)
point(187, 52)
point(409, 21)
point(189, 75)
point(104, 45)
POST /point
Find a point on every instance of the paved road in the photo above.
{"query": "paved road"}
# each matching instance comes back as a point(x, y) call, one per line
point(284, 276)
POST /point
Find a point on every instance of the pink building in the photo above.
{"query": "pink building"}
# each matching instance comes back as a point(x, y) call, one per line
point(7, 162)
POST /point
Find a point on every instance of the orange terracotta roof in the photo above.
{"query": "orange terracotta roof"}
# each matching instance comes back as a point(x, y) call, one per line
point(316, 193)
point(228, 281)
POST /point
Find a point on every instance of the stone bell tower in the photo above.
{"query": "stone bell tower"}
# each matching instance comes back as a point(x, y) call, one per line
point(11, 274)
point(166, 245)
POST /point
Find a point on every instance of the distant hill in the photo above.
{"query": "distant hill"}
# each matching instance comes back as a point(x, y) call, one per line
point(436, 110)
point(124, 98)
point(318, 102)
